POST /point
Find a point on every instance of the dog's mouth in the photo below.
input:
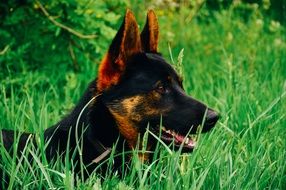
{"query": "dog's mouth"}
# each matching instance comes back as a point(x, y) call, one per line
point(186, 143)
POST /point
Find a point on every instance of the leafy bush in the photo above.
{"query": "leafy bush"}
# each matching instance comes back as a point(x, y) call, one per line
point(60, 33)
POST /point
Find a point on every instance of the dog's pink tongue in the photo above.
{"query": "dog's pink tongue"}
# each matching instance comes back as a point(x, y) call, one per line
point(179, 138)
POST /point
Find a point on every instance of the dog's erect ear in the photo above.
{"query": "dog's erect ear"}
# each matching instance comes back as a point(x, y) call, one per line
point(125, 44)
point(150, 33)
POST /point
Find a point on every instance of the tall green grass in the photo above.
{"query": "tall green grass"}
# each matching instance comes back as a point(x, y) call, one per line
point(236, 66)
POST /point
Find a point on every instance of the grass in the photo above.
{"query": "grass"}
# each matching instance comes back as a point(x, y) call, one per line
point(236, 66)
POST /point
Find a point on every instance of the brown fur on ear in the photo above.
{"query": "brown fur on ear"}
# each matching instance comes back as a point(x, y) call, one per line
point(125, 44)
point(150, 33)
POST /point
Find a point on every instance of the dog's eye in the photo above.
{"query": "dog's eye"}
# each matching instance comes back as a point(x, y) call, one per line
point(162, 89)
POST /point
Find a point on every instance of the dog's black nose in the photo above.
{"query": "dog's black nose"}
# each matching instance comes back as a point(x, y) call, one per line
point(211, 119)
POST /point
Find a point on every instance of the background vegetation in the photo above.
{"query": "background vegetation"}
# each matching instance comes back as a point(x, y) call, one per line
point(234, 60)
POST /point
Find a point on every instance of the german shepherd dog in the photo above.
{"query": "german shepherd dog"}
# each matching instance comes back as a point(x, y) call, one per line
point(135, 88)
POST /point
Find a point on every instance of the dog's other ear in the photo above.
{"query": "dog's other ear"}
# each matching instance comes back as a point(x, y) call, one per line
point(125, 44)
point(150, 33)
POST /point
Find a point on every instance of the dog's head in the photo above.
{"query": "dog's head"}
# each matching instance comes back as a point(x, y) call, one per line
point(141, 89)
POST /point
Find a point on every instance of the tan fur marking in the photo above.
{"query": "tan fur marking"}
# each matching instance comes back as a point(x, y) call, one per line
point(127, 129)
point(130, 103)
point(130, 111)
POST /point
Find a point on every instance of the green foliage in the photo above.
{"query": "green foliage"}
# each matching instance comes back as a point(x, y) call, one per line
point(35, 42)
point(272, 8)
point(234, 59)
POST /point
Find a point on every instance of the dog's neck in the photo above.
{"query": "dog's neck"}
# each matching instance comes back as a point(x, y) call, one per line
point(102, 125)
point(93, 122)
